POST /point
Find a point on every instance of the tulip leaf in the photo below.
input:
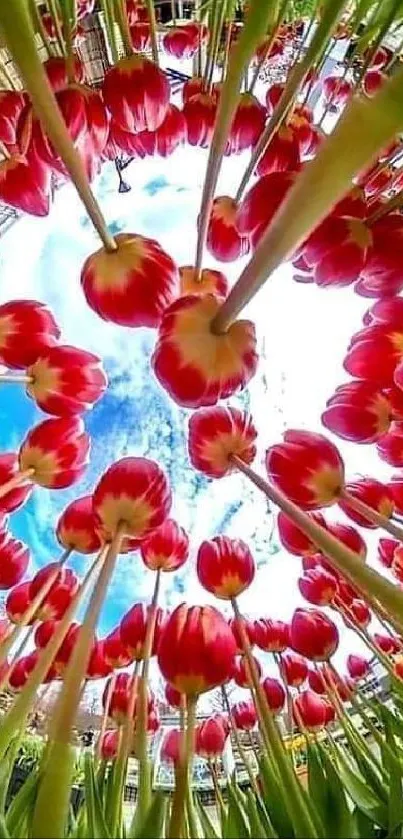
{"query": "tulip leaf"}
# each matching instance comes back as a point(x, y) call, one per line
point(236, 826)
point(209, 830)
point(338, 821)
point(274, 799)
point(22, 803)
point(365, 828)
point(317, 786)
point(97, 828)
point(395, 801)
point(4, 834)
point(152, 826)
point(257, 829)
point(360, 792)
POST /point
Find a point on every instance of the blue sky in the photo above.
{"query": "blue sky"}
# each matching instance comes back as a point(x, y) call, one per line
point(302, 331)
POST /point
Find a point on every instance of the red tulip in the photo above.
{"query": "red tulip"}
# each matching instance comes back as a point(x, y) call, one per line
point(236, 624)
point(350, 537)
point(118, 697)
point(271, 636)
point(163, 141)
point(210, 739)
point(15, 498)
point(137, 94)
point(398, 667)
point(181, 42)
point(293, 539)
point(316, 681)
point(76, 528)
point(209, 282)
point(373, 80)
point(358, 667)
point(56, 71)
point(170, 747)
point(374, 353)
point(273, 96)
point(56, 451)
point(133, 492)
point(275, 694)
point(397, 564)
point(247, 124)
point(240, 672)
point(172, 696)
point(133, 630)
point(381, 277)
point(244, 715)
point(167, 547)
point(133, 285)
point(386, 643)
point(330, 712)
point(377, 180)
point(313, 635)
point(269, 49)
point(359, 612)
point(60, 595)
point(282, 154)
point(260, 204)
point(153, 721)
point(192, 87)
point(205, 367)
point(309, 710)
point(114, 651)
point(44, 632)
point(200, 112)
point(110, 744)
point(307, 468)
point(12, 103)
point(318, 587)
point(140, 35)
point(358, 411)
point(17, 602)
point(21, 670)
point(216, 434)
point(14, 560)
point(225, 567)
point(66, 381)
point(98, 667)
point(223, 240)
point(395, 488)
point(196, 650)
point(294, 669)
point(390, 446)
point(25, 185)
point(386, 550)
point(27, 329)
point(336, 91)
point(337, 249)
point(374, 494)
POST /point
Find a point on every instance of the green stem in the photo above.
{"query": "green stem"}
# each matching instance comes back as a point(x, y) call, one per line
point(107, 8)
point(17, 28)
point(38, 23)
point(221, 813)
point(274, 30)
point(153, 31)
point(372, 515)
point(241, 750)
point(121, 18)
point(54, 13)
point(177, 821)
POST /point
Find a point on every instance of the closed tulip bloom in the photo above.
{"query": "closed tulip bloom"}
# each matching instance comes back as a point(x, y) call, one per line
point(294, 669)
point(119, 697)
point(316, 682)
point(395, 488)
point(109, 744)
point(293, 539)
point(66, 381)
point(170, 747)
point(133, 628)
point(114, 651)
point(386, 643)
point(374, 494)
point(57, 451)
point(21, 670)
point(249, 627)
point(358, 411)
point(360, 613)
point(224, 242)
point(390, 445)
point(27, 328)
point(172, 696)
point(358, 667)
point(57, 71)
point(247, 124)
point(76, 529)
point(272, 636)
point(61, 593)
point(18, 601)
point(200, 113)
point(133, 493)
point(225, 567)
point(196, 650)
point(14, 560)
point(98, 667)
point(318, 587)
point(167, 547)
point(217, 434)
point(260, 204)
point(240, 672)
point(44, 632)
point(210, 739)
point(307, 468)
point(200, 370)
point(386, 550)
point(310, 710)
point(350, 537)
point(136, 93)
point(244, 715)
point(313, 635)
point(209, 281)
point(16, 497)
point(275, 694)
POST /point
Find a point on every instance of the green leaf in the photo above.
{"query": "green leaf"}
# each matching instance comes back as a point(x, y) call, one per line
point(152, 826)
point(317, 785)
point(22, 803)
point(365, 827)
point(257, 829)
point(97, 827)
point(395, 801)
point(236, 826)
point(338, 820)
point(209, 830)
point(360, 792)
point(274, 799)
point(4, 834)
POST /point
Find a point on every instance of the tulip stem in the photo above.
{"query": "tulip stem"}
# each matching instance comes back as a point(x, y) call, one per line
point(271, 39)
point(109, 19)
point(153, 31)
point(17, 28)
point(176, 826)
point(372, 515)
point(241, 750)
point(56, 23)
point(15, 377)
point(394, 203)
point(38, 22)
point(105, 714)
point(254, 27)
point(220, 806)
point(373, 585)
point(32, 609)
point(16, 481)
point(121, 17)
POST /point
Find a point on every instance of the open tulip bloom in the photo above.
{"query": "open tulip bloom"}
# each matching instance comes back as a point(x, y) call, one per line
point(292, 720)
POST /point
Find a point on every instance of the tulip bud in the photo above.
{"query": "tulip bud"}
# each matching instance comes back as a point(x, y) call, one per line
point(66, 381)
point(307, 468)
point(225, 567)
point(57, 452)
point(310, 710)
point(318, 587)
point(216, 434)
point(240, 672)
point(196, 650)
point(170, 748)
point(76, 528)
point(133, 629)
point(167, 547)
point(27, 328)
point(14, 560)
point(210, 739)
point(313, 635)
point(275, 694)
point(272, 636)
point(293, 539)
point(358, 667)
point(294, 669)
point(109, 744)
point(133, 493)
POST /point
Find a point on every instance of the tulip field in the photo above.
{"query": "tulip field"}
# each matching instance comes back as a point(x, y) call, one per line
point(304, 100)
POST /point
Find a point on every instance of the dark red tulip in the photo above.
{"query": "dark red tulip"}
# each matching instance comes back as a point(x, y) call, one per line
point(293, 539)
point(133, 630)
point(386, 643)
point(66, 381)
point(12, 103)
point(225, 566)
point(15, 498)
point(307, 468)
point(224, 241)
point(358, 667)
point(133, 285)
point(374, 494)
point(27, 329)
point(247, 124)
point(271, 636)
point(135, 493)
point(210, 739)
point(244, 715)
point(76, 529)
point(317, 682)
point(167, 547)
point(309, 710)
point(313, 635)
point(275, 694)
point(260, 204)
point(200, 112)
point(136, 93)
point(215, 434)
point(373, 81)
point(56, 71)
point(57, 451)
point(359, 612)
point(196, 650)
point(358, 411)
point(294, 669)
point(14, 560)
point(240, 673)
point(318, 587)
